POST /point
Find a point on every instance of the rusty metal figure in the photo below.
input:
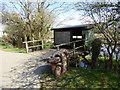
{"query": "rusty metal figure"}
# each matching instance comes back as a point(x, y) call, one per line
point(59, 62)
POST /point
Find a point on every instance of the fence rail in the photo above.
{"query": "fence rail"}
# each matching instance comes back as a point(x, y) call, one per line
point(56, 46)
point(74, 45)
point(33, 46)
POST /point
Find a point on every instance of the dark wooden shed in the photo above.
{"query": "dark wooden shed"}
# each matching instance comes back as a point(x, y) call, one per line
point(69, 34)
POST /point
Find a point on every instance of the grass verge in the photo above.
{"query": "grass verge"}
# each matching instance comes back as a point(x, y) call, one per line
point(82, 78)
point(9, 48)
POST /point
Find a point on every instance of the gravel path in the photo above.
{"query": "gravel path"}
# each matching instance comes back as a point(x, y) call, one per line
point(20, 70)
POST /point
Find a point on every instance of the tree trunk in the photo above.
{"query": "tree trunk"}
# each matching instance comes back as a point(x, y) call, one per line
point(110, 61)
point(94, 59)
point(25, 37)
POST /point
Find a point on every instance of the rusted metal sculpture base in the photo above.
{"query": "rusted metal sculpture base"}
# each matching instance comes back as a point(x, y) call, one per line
point(59, 62)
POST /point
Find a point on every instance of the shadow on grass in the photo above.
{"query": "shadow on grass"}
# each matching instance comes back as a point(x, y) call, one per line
point(87, 78)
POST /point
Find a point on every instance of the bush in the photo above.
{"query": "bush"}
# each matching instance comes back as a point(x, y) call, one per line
point(5, 46)
point(48, 45)
point(89, 39)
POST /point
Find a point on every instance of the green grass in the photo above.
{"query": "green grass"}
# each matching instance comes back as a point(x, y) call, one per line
point(48, 45)
point(9, 48)
point(12, 49)
point(85, 78)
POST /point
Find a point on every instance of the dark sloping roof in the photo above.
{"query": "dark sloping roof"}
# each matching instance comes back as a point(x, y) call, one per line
point(87, 26)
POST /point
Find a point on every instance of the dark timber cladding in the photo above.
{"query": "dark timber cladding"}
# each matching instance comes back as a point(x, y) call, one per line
point(69, 34)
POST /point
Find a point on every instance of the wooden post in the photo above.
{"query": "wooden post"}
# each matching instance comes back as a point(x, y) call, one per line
point(58, 48)
point(26, 44)
point(73, 48)
point(42, 44)
point(74, 54)
point(33, 45)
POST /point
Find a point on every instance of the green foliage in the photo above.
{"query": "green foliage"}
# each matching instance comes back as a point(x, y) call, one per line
point(33, 21)
point(8, 47)
point(5, 44)
point(106, 22)
point(89, 39)
point(48, 45)
point(83, 78)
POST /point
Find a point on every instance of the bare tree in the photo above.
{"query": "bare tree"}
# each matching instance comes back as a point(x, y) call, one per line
point(32, 19)
point(105, 19)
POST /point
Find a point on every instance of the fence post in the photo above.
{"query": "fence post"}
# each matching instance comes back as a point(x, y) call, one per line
point(42, 44)
point(74, 48)
point(33, 44)
point(26, 44)
point(58, 48)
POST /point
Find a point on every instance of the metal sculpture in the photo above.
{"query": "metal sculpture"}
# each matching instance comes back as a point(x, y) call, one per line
point(59, 62)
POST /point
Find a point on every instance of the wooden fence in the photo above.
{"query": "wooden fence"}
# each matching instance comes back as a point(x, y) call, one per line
point(74, 45)
point(34, 44)
point(57, 46)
